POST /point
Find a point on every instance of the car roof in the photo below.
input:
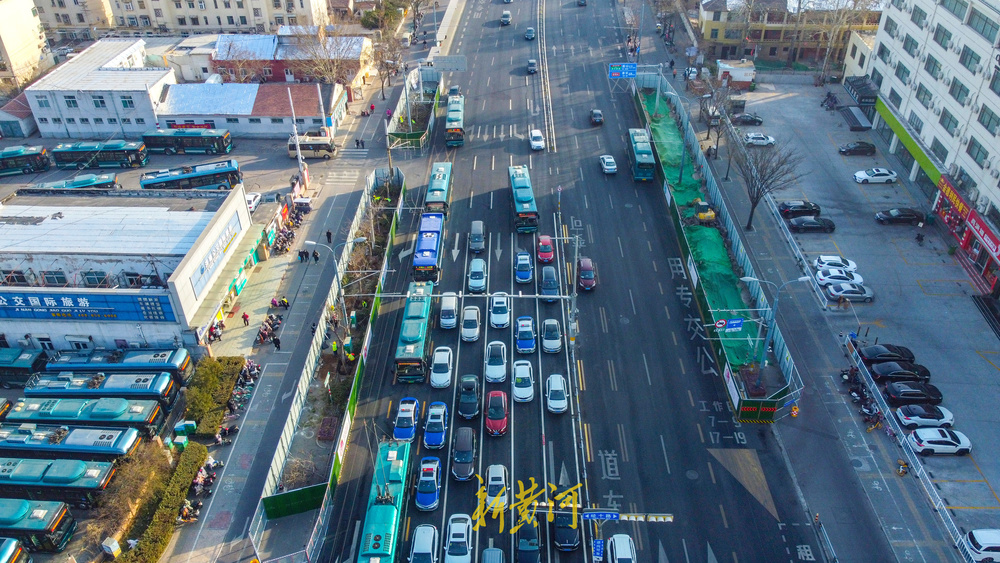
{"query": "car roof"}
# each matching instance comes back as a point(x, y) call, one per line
point(987, 536)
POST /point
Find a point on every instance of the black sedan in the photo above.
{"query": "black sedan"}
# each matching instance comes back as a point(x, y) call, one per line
point(900, 371)
point(811, 225)
point(899, 216)
point(859, 147)
point(566, 535)
point(885, 353)
point(747, 119)
point(798, 208)
point(912, 393)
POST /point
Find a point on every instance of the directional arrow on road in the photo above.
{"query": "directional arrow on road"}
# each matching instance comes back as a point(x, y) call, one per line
point(563, 476)
point(498, 251)
point(455, 251)
point(662, 557)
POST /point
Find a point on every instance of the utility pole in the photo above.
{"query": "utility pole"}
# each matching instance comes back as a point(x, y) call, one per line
point(295, 135)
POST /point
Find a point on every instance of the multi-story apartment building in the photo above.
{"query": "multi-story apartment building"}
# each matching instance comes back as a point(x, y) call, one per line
point(768, 29)
point(215, 16)
point(23, 49)
point(74, 19)
point(938, 72)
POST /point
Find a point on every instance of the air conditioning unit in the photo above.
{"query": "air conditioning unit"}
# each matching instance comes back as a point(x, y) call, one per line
point(952, 169)
point(995, 173)
point(947, 81)
point(950, 43)
point(979, 68)
point(937, 111)
point(923, 58)
point(976, 108)
point(963, 140)
point(956, 48)
point(988, 164)
point(909, 9)
point(983, 203)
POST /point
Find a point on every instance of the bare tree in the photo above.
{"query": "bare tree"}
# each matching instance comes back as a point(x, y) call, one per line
point(238, 64)
point(327, 56)
point(143, 475)
point(765, 170)
point(715, 106)
point(386, 59)
point(749, 13)
point(845, 14)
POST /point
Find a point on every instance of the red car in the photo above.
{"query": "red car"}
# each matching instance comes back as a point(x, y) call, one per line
point(586, 273)
point(496, 413)
point(545, 251)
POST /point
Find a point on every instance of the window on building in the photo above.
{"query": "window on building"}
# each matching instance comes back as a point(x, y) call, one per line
point(883, 53)
point(157, 12)
point(958, 91)
point(99, 101)
point(182, 21)
point(253, 120)
point(57, 120)
point(112, 120)
point(969, 59)
point(65, 19)
point(210, 123)
point(13, 277)
point(239, 4)
point(292, 20)
point(227, 5)
point(861, 60)
point(190, 5)
point(71, 120)
point(938, 150)
point(894, 98)
point(910, 45)
point(919, 16)
point(40, 10)
point(280, 20)
point(924, 95)
point(230, 20)
point(54, 278)
point(891, 26)
point(95, 278)
point(144, 21)
point(218, 19)
point(963, 179)
point(983, 25)
point(277, 120)
point(195, 21)
point(178, 5)
point(243, 19)
point(989, 120)
point(915, 122)
point(942, 36)
point(42, 101)
point(716, 16)
point(317, 121)
point(256, 12)
point(42, 120)
point(84, 121)
point(98, 120)
point(902, 73)
point(80, 18)
point(995, 83)
point(141, 4)
point(266, 71)
point(140, 121)
point(127, 120)
point(129, 7)
point(276, 3)
point(201, 4)
point(977, 151)
point(854, 51)
point(232, 120)
point(932, 66)
point(957, 7)
point(127, 102)
point(133, 21)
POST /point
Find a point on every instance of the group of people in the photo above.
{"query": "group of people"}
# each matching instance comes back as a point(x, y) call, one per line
point(304, 257)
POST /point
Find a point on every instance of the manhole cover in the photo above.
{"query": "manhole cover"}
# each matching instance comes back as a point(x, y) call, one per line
point(691, 474)
point(856, 463)
point(624, 320)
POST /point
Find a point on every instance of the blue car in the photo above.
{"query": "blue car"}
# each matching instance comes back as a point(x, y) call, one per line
point(405, 426)
point(525, 335)
point(436, 426)
point(523, 268)
point(429, 484)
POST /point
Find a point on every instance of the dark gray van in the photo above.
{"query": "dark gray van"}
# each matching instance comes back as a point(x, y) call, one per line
point(549, 284)
point(463, 463)
point(477, 237)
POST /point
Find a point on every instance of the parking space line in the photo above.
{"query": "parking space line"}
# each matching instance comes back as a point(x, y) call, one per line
point(982, 354)
point(925, 284)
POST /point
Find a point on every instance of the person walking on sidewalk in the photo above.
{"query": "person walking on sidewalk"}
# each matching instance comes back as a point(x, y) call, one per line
point(357, 143)
point(316, 256)
point(372, 108)
point(334, 348)
point(277, 343)
point(362, 143)
point(329, 237)
point(284, 302)
point(246, 319)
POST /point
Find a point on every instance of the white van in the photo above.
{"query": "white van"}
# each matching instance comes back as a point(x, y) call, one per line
point(449, 310)
point(406, 39)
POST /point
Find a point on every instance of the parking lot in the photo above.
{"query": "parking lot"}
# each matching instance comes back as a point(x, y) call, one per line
point(922, 294)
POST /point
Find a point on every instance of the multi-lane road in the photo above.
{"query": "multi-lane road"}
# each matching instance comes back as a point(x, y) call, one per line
point(648, 432)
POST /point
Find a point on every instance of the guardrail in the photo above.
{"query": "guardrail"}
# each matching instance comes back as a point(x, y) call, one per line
point(800, 258)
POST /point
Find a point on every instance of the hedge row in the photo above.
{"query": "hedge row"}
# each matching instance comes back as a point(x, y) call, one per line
point(156, 538)
point(209, 390)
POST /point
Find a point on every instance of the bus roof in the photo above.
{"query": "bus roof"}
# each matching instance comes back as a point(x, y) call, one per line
point(55, 472)
point(29, 515)
point(92, 146)
point(8, 548)
point(97, 382)
point(81, 181)
point(19, 357)
point(21, 149)
point(186, 133)
point(167, 173)
point(73, 437)
point(71, 410)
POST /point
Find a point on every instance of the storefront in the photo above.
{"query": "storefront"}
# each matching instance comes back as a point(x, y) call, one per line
point(976, 239)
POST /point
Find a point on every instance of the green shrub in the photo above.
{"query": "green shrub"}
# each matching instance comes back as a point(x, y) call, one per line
point(209, 390)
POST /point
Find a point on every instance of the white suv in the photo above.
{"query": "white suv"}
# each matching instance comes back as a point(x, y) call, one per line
point(441, 367)
point(983, 544)
point(621, 549)
point(424, 544)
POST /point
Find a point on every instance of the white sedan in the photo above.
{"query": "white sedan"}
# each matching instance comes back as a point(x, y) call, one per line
point(524, 381)
point(495, 365)
point(875, 176)
point(441, 367)
point(555, 393)
point(608, 164)
point(537, 140)
point(929, 441)
point(500, 310)
point(828, 261)
point(834, 275)
point(497, 491)
point(758, 139)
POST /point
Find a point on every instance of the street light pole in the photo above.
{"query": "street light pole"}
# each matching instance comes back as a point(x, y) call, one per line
point(772, 317)
point(336, 269)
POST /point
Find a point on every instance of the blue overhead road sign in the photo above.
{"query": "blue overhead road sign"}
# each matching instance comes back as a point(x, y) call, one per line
point(621, 70)
point(598, 515)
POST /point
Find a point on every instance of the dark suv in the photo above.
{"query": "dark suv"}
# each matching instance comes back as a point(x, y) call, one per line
point(790, 209)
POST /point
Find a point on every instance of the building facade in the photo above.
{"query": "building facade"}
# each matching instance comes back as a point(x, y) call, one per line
point(939, 109)
point(215, 16)
point(23, 49)
point(104, 92)
point(74, 19)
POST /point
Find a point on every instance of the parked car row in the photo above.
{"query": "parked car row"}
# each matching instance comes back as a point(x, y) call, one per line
point(839, 278)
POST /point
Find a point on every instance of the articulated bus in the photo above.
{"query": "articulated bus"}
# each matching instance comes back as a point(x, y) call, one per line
point(454, 124)
point(429, 251)
point(523, 199)
point(39, 525)
point(188, 141)
point(414, 341)
point(17, 365)
point(386, 499)
point(82, 182)
point(313, 144)
point(158, 387)
point(109, 412)
point(175, 361)
point(439, 189)
point(72, 481)
point(224, 175)
point(640, 156)
point(67, 442)
point(23, 160)
point(112, 154)
point(11, 551)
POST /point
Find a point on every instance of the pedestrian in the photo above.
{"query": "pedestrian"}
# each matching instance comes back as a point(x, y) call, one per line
point(230, 406)
point(284, 302)
point(841, 302)
point(334, 348)
point(300, 256)
point(277, 343)
point(329, 237)
point(364, 81)
point(246, 319)
point(364, 303)
point(357, 144)
point(316, 256)
point(314, 329)
point(350, 357)
point(675, 73)
point(362, 143)
point(671, 63)
point(274, 302)
point(336, 323)
point(372, 108)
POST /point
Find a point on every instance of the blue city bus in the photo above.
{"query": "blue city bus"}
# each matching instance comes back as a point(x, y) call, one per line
point(108, 412)
point(23, 160)
point(454, 125)
point(72, 481)
point(112, 154)
point(640, 156)
point(523, 199)
point(188, 141)
point(67, 442)
point(428, 254)
point(17, 365)
point(39, 525)
point(413, 346)
point(224, 175)
point(175, 361)
point(158, 387)
point(438, 198)
point(83, 181)
point(386, 499)
point(11, 551)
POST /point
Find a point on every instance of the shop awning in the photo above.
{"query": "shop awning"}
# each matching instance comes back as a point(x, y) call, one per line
point(855, 118)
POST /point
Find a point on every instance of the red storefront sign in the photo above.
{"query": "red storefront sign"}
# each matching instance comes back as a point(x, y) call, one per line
point(958, 204)
point(984, 234)
point(189, 126)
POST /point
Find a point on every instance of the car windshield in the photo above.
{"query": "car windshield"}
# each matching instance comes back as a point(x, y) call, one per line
point(871, 171)
point(496, 358)
point(545, 248)
point(463, 456)
point(557, 394)
point(426, 486)
point(421, 558)
point(522, 381)
point(404, 422)
point(476, 275)
point(551, 331)
point(587, 274)
point(458, 548)
point(469, 322)
point(523, 266)
point(441, 367)
point(495, 488)
point(496, 409)
point(435, 426)
point(499, 308)
point(524, 334)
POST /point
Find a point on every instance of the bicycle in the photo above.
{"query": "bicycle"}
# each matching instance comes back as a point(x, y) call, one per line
point(877, 424)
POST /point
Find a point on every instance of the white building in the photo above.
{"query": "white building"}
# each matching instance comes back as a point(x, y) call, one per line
point(104, 92)
point(858, 60)
point(939, 111)
point(23, 50)
point(84, 271)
